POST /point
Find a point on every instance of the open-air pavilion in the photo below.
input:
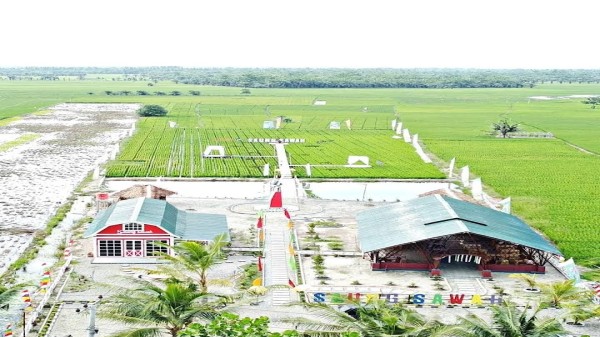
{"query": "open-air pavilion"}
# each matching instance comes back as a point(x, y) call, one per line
point(429, 232)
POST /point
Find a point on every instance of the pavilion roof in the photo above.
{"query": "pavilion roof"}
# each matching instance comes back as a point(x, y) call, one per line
point(435, 216)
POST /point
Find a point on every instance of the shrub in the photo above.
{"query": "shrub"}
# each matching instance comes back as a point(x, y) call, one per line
point(152, 110)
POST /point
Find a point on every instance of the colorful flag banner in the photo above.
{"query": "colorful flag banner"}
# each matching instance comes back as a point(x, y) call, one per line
point(291, 249)
point(261, 235)
point(8, 331)
point(290, 224)
point(260, 267)
point(257, 282)
point(259, 223)
point(292, 263)
point(25, 296)
point(26, 299)
point(291, 283)
point(286, 213)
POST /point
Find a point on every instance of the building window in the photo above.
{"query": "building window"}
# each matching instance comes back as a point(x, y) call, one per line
point(152, 249)
point(133, 245)
point(110, 248)
point(131, 227)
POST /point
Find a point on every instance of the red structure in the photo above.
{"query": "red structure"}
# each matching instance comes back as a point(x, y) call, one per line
point(144, 227)
point(276, 200)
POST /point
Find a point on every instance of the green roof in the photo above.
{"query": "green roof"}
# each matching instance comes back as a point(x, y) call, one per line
point(436, 216)
point(186, 225)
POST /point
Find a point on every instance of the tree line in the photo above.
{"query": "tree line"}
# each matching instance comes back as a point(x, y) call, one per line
point(323, 77)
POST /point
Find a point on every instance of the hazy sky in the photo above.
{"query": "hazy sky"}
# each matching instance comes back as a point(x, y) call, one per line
point(306, 33)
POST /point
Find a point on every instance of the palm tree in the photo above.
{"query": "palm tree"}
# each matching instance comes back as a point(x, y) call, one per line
point(580, 311)
point(555, 294)
point(155, 310)
point(509, 321)
point(6, 294)
point(374, 319)
point(193, 260)
point(528, 279)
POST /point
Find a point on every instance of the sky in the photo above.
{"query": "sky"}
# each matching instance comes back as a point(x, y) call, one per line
point(507, 34)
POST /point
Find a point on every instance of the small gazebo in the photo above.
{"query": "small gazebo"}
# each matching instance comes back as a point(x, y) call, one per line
point(147, 191)
point(427, 232)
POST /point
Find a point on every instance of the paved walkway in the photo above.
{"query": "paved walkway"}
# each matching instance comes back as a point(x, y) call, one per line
point(277, 271)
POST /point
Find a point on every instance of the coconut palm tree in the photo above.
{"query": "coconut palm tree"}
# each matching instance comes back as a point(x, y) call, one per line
point(509, 321)
point(581, 310)
point(557, 293)
point(193, 260)
point(374, 318)
point(6, 294)
point(154, 310)
point(528, 279)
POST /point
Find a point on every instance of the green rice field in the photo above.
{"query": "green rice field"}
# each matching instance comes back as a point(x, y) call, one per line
point(554, 183)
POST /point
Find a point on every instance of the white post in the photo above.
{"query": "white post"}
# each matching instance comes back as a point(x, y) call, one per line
point(266, 170)
point(477, 189)
point(399, 128)
point(96, 173)
point(415, 139)
point(308, 171)
point(464, 176)
point(406, 135)
point(92, 323)
point(451, 168)
point(394, 122)
point(505, 205)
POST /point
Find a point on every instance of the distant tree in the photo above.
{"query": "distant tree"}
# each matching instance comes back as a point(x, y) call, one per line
point(194, 92)
point(505, 126)
point(159, 93)
point(246, 91)
point(592, 101)
point(108, 92)
point(175, 93)
point(125, 92)
point(142, 92)
point(152, 110)
point(150, 84)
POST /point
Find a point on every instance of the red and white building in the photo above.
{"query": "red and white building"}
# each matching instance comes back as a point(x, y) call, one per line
point(131, 229)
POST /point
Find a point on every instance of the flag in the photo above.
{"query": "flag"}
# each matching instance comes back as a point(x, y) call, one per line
point(25, 296)
point(257, 282)
point(8, 331)
point(259, 264)
point(292, 263)
point(259, 224)
point(291, 283)
point(261, 235)
point(44, 281)
point(290, 224)
point(276, 201)
point(286, 213)
point(291, 249)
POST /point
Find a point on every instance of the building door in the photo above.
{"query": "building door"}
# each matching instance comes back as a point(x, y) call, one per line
point(133, 248)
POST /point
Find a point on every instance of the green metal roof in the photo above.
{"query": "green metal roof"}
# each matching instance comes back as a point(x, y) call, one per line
point(186, 225)
point(435, 216)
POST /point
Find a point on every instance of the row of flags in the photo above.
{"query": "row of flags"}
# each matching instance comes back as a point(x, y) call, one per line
point(26, 298)
point(291, 251)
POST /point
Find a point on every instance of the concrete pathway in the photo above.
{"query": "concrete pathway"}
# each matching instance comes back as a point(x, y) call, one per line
point(276, 265)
